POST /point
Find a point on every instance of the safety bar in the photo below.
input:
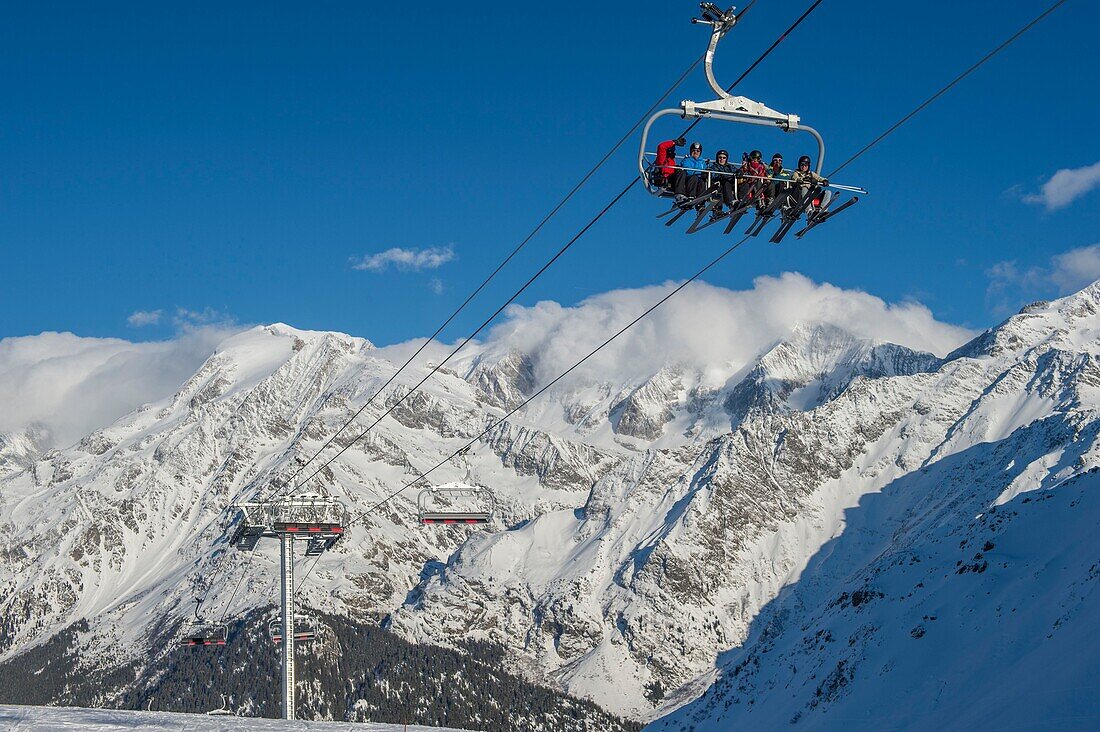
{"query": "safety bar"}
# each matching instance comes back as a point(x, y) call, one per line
point(740, 176)
point(729, 117)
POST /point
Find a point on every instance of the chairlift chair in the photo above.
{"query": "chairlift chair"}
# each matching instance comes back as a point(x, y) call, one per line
point(727, 108)
point(204, 634)
point(303, 629)
point(436, 504)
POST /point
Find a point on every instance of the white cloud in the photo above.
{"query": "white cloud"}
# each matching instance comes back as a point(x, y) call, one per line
point(406, 259)
point(144, 317)
point(436, 285)
point(1076, 268)
point(74, 385)
point(1067, 272)
point(1066, 186)
point(185, 318)
point(708, 326)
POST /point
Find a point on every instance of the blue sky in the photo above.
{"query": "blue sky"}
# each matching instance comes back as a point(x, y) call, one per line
point(236, 163)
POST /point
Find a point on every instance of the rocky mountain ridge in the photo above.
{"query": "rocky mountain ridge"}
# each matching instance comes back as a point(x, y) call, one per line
point(645, 527)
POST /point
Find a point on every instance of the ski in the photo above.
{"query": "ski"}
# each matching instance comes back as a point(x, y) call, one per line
point(735, 216)
point(702, 214)
point(674, 209)
point(827, 215)
point(675, 218)
point(716, 215)
point(792, 216)
point(685, 205)
point(763, 217)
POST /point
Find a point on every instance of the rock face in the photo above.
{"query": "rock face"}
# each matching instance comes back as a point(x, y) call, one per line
point(656, 538)
point(647, 409)
point(19, 450)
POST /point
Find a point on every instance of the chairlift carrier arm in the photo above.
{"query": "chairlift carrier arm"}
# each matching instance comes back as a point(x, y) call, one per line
point(728, 108)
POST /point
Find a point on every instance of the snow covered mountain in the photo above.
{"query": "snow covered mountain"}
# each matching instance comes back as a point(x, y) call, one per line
point(666, 542)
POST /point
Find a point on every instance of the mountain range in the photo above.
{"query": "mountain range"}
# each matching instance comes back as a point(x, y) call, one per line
point(835, 528)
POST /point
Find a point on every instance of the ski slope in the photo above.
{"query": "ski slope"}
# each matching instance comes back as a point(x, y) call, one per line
point(71, 719)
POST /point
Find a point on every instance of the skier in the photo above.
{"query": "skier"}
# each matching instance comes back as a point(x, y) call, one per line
point(804, 180)
point(780, 178)
point(666, 161)
point(722, 178)
point(756, 177)
point(689, 180)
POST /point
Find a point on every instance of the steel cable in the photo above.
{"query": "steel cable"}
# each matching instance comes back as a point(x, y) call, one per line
point(553, 212)
point(546, 266)
point(947, 88)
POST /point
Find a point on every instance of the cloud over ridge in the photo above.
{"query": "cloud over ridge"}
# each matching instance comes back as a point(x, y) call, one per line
point(708, 326)
point(1065, 273)
point(73, 385)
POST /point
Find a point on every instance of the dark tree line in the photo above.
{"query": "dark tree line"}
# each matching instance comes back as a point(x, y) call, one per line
point(352, 672)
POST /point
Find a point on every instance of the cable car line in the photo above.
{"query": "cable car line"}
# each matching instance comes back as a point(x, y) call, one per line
point(553, 212)
point(422, 475)
point(546, 266)
point(637, 124)
point(945, 89)
point(685, 283)
point(233, 596)
point(470, 337)
point(277, 491)
point(555, 380)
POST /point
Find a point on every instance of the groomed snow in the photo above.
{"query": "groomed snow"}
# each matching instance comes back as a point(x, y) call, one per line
point(67, 719)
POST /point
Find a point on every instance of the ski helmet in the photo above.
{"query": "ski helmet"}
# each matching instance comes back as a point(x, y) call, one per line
point(720, 153)
point(755, 155)
point(804, 159)
point(777, 156)
point(696, 146)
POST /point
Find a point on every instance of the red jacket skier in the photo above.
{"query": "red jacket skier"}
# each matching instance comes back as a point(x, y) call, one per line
point(666, 156)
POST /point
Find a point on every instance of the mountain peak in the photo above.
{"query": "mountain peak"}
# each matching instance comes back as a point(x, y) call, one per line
point(815, 364)
point(1068, 323)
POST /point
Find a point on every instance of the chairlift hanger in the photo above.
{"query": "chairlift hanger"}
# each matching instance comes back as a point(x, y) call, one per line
point(200, 632)
point(727, 107)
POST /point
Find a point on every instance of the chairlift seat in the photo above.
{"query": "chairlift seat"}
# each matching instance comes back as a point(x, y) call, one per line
point(430, 510)
point(205, 635)
point(442, 517)
point(302, 527)
point(303, 629)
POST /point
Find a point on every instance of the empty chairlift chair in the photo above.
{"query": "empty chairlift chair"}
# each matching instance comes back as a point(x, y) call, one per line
point(204, 634)
point(303, 630)
point(455, 503)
